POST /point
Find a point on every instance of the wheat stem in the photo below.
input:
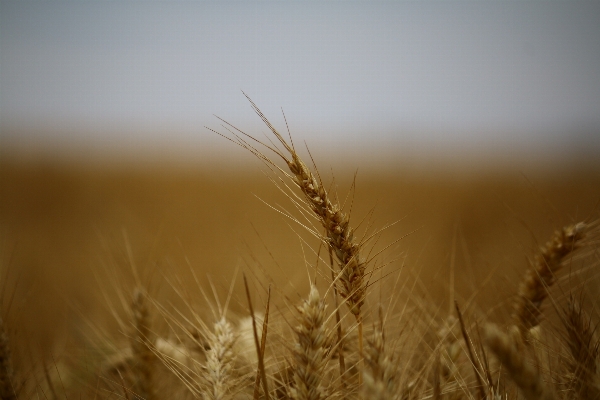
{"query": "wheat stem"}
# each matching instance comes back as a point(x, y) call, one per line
point(141, 352)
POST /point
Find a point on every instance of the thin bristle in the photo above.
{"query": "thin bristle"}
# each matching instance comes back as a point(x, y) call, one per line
point(340, 338)
point(471, 353)
point(260, 346)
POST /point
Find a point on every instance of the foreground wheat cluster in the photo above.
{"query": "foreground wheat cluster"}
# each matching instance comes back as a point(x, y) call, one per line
point(342, 339)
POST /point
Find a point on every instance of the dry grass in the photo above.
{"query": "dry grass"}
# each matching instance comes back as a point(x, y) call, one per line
point(147, 322)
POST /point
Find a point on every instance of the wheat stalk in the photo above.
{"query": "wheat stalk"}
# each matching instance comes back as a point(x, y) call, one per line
point(142, 355)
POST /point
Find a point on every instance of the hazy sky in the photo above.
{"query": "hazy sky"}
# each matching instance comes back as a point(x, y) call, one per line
point(447, 70)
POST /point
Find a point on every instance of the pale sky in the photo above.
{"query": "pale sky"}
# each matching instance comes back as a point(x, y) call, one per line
point(368, 73)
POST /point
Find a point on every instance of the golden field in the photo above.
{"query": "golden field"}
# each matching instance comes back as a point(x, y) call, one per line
point(74, 237)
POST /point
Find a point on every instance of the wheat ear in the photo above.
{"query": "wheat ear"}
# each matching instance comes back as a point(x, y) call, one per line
point(379, 373)
point(541, 275)
point(523, 374)
point(584, 350)
point(309, 352)
point(220, 359)
point(339, 235)
point(142, 354)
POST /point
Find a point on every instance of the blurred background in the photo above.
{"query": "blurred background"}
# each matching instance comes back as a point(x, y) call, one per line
point(476, 123)
point(515, 81)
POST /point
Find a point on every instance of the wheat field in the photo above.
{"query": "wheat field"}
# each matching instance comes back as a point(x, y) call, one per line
point(284, 279)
